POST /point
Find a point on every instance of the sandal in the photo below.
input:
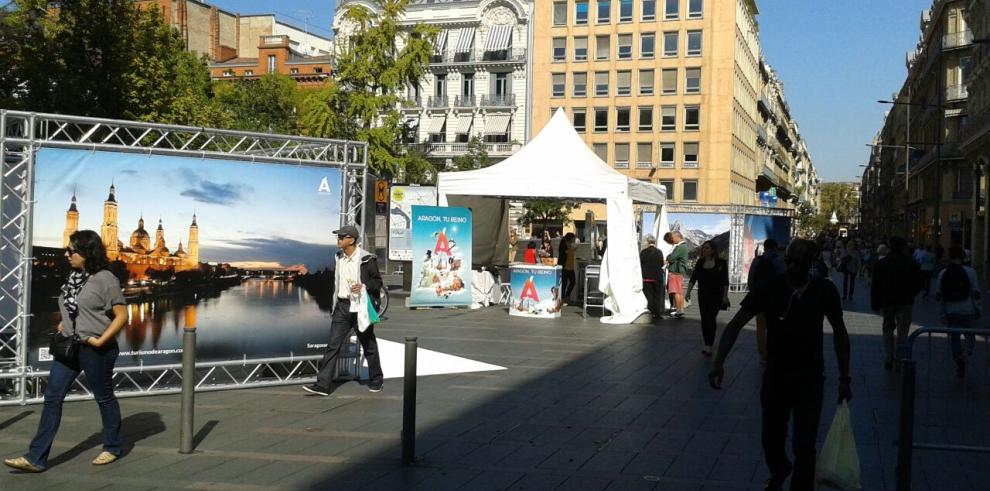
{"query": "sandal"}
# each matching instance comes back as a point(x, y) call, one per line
point(104, 458)
point(22, 464)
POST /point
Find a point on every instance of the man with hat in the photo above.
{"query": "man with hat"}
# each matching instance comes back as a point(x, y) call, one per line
point(355, 268)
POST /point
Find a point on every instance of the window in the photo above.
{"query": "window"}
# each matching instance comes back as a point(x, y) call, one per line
point(623, 83)
point(692, 118)
point(228, 73)
point(645, 118)
point(601, 150)
point(670, 10)
point(601, 83)
point(625, 10)
point(646, 82)
point(621, 155)
point(695, 8)
point(440, 86)
point(293, 71)
point(251, 72)
point(560, 13)
point(667, 160)
point(668, 118)
point(559, 49)
point(622, 119)
point(649, 9)
point(581, 12)
point(580, 119)
point(694, 43)
point(644, 155)
point(318, 69)
point(690, 154)
point(580, 84)
point(602, 47)
point(501, 87)
point(689, 190)
point(670, 43)
point(669, 76)
point(604, 11)
point(625, 46)
point(647, 45)
point(271, 63)
point(668, 186)
point(601, 119)
point(580, 49)
point(692, 80)
point(467, 85)
point(558, 84)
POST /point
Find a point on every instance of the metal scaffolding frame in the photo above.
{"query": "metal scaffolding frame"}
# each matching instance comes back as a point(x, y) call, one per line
point(23, 133)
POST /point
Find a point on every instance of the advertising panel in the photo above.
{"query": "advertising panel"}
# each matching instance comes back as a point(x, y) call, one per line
point(441, 240)
point(239, 250)
point(400, 218)
point(697, 228)
point(758, 228)
point(535, 291)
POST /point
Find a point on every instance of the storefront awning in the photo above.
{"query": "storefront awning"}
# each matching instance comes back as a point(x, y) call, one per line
point(464, 123)
point(437, 121)
point(497, 124)
point(465, 40)
point(498, 38)
point(441, 45)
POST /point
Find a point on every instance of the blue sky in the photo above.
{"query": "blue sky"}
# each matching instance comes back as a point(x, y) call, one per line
point(247, 213)
point(836, 59)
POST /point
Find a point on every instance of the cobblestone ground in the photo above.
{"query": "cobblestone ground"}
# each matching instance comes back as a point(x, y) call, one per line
point(581, 406)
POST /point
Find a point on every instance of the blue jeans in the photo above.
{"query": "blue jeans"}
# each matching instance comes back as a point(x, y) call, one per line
point(97, 364)
point(960, 322)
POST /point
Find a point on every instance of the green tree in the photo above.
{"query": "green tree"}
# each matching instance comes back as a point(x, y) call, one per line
point(266, 105)
point(546, 211)
point(371, 72)
point(476, 156)
point(841, 198)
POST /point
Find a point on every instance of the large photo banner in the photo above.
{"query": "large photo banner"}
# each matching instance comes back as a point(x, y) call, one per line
point(441, 241)
point(758, 228)
point(400, 218)
point(241, 251)
point(698, 228)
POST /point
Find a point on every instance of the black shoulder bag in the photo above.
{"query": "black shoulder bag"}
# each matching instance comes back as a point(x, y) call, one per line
point(65, 349)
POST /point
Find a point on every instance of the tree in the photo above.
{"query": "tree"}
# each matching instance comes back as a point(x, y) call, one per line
point(476, 156)
point(544, 211)
point(267, 105)
point(371, 71)
point(840, 197)
point(808, 222)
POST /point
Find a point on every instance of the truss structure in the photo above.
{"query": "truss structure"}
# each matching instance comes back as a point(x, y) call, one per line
point(23, 133)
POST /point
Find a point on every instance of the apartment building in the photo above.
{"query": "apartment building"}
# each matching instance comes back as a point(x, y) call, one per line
point(477, 78)
point(975, 132)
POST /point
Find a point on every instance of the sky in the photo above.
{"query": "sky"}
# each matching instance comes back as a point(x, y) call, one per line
point(250, 215)
point(836, 59)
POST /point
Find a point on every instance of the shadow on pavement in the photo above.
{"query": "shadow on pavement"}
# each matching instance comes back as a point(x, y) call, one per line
point(135, 428)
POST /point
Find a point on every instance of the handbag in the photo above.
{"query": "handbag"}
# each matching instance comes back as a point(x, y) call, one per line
point(65, 349)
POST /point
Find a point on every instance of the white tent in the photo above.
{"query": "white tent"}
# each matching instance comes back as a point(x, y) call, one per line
point(557, 163)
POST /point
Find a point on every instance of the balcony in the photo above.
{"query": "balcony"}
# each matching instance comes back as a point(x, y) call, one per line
point(438, 102)
point(269, 41)
point(456, 149)
point(498, 100)
point(513, 55)
point(465, 101)
point(956, 92)
point(957, 39)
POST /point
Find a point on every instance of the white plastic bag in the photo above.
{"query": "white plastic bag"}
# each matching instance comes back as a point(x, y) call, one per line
point(838, 462)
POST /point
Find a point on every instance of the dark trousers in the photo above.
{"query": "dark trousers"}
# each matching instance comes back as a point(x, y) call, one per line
point(709, 305)
point(97, 364)
point(567, 283)
point(848, 284)
point(926, 279)
point(654, 292)
point(783, 395)
point(341, 325)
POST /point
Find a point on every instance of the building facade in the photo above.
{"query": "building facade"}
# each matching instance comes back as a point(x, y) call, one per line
point(664, 91)
point(975, 132)
point(921, 140)
point(477, 79)
point(247, 47)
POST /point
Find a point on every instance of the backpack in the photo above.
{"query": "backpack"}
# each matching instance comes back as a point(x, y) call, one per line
point(760, 272)
point(955, 284)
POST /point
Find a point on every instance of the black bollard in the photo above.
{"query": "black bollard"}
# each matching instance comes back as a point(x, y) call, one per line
point(409, 404)
point(188, 389)
point(905, 434)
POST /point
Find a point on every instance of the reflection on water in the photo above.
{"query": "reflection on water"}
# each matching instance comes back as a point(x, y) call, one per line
point(257, 319)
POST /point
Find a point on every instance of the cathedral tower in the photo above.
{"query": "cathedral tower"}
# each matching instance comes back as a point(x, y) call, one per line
point(109, 229)
point(193, 252)
point(160, 237)
point(71, 222)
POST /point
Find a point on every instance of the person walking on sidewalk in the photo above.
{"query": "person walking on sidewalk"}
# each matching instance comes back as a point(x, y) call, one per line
point(925, 257)
point(89, 293)
point(711, 273)
point(896, 281)
point(849, 265)
point(762, 271)
point(677, 262)
point(958, 291)
point(567, 258)
point(796, 305)
point(355, 268)
point(651, 263)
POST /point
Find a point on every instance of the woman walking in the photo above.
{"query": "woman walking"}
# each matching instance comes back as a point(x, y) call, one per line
point(90, 291)
point(712, 275)
point(849, 265)
point(566, 259)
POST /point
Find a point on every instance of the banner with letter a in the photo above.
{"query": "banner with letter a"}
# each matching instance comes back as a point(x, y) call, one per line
point(441, 257)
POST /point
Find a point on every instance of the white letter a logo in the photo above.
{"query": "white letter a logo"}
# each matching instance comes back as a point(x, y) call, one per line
point(324, 186)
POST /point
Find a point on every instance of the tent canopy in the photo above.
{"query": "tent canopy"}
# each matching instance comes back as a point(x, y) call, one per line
point(557, 163)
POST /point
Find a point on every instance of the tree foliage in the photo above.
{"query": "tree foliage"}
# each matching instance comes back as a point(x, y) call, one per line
point(840, 197)
point(546, 211)
point(375, 61)
point(476, 156)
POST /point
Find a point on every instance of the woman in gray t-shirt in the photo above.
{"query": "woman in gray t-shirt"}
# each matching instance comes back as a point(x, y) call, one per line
point(90, 292)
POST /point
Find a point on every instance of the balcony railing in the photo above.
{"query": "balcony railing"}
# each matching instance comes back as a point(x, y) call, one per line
point(438, 102)
point(503, 100)
point(956, 92)
point(465, 101)
point(453, 149)
point(280, 40)
point(957, 39)
point(479, 56)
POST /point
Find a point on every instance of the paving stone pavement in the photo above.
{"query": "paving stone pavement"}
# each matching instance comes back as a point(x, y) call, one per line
point(581, 406)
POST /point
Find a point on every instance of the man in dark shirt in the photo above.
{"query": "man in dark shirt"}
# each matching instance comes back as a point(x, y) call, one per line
point(897, 280)
point(651, 262)
point(795, 305)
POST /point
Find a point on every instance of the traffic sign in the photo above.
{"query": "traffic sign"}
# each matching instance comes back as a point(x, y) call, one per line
point(381, 192)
